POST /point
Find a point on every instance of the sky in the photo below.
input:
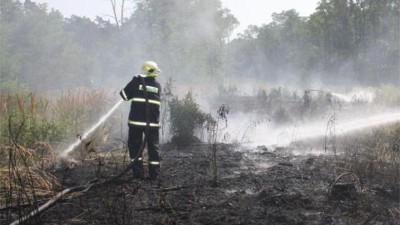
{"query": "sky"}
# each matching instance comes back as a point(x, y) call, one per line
point(248, 12)
point(258, 12)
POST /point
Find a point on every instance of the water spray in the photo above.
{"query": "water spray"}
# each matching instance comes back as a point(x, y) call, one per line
point(338, 96)
point(360, 95)
point(88, 132)
point(264, 135)
point(341, 97)
point(359, 124)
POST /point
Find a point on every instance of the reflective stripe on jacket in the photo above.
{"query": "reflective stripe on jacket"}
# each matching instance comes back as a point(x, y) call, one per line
point(134, 92)
point(143, 124)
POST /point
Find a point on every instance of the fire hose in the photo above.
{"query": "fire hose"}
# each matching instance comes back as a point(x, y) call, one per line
point(94, 182)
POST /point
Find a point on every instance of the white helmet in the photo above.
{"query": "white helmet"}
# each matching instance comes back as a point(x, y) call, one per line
point(150, 69)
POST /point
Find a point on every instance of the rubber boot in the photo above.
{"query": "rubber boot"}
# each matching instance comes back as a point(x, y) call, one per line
point(154, 170)
point(137, 169)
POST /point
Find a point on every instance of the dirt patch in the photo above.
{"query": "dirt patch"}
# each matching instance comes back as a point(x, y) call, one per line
point(256, 186)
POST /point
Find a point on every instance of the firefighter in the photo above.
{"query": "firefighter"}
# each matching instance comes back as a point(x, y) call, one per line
point(306, 99)
point(144, 93)
point(329, 98)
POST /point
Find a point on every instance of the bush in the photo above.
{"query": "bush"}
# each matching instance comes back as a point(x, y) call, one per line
point(281, 116)
point(25, 118)
point(375, 157)
point(30, 118)
point(186, 117)
point(388, 95)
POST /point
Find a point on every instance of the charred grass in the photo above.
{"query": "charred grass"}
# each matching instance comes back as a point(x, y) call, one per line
point(294, 189)
point(356, 181)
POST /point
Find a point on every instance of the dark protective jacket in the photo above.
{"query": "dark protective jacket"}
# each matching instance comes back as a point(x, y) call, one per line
point(134, 92)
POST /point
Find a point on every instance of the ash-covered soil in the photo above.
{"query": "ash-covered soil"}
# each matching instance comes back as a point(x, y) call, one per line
point(255, 186)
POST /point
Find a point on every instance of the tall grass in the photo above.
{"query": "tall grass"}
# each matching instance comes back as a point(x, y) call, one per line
point(31, 118)
point(24, 118)
point(30, 125)
point(375, 158)
point(75, 110)
point(388, 95)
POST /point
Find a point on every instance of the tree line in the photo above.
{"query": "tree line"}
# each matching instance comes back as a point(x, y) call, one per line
point(342, 42)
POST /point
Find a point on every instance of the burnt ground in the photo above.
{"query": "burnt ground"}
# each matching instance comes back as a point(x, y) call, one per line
point(255, 186)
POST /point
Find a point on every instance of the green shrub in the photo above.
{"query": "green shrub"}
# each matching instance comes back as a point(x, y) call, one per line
point(27, 130)
point(186, 117)
point(25, 118)
point(9, 85)
point(388, 95)
point(281, 116)
point(30, 118)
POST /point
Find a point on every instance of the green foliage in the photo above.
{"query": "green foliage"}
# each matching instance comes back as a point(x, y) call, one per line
point(24, 119)
point(29, 118)
point(186, 116)
point(281, 116)
point(228, 92)
point(38, 44)
point(341, 41)
point(36, 47)
point(79, 108)
point(11, 85)
point(29, 130)
point(388, 95)
point(184, 35)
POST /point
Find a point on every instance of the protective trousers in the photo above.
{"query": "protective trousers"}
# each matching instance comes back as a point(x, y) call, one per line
point(135, 141)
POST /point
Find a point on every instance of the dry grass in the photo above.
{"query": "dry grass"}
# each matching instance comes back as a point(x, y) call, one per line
point(22, 179)
point(30, 125)
point(374, 157)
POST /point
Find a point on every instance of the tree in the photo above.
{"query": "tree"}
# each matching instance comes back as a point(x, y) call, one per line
point(9, 13)
point(343, 42)
point(46, 55)
point(182, 34)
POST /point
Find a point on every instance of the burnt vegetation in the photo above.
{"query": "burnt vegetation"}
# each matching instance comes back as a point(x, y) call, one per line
point(203, 180)
point(59, 75)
